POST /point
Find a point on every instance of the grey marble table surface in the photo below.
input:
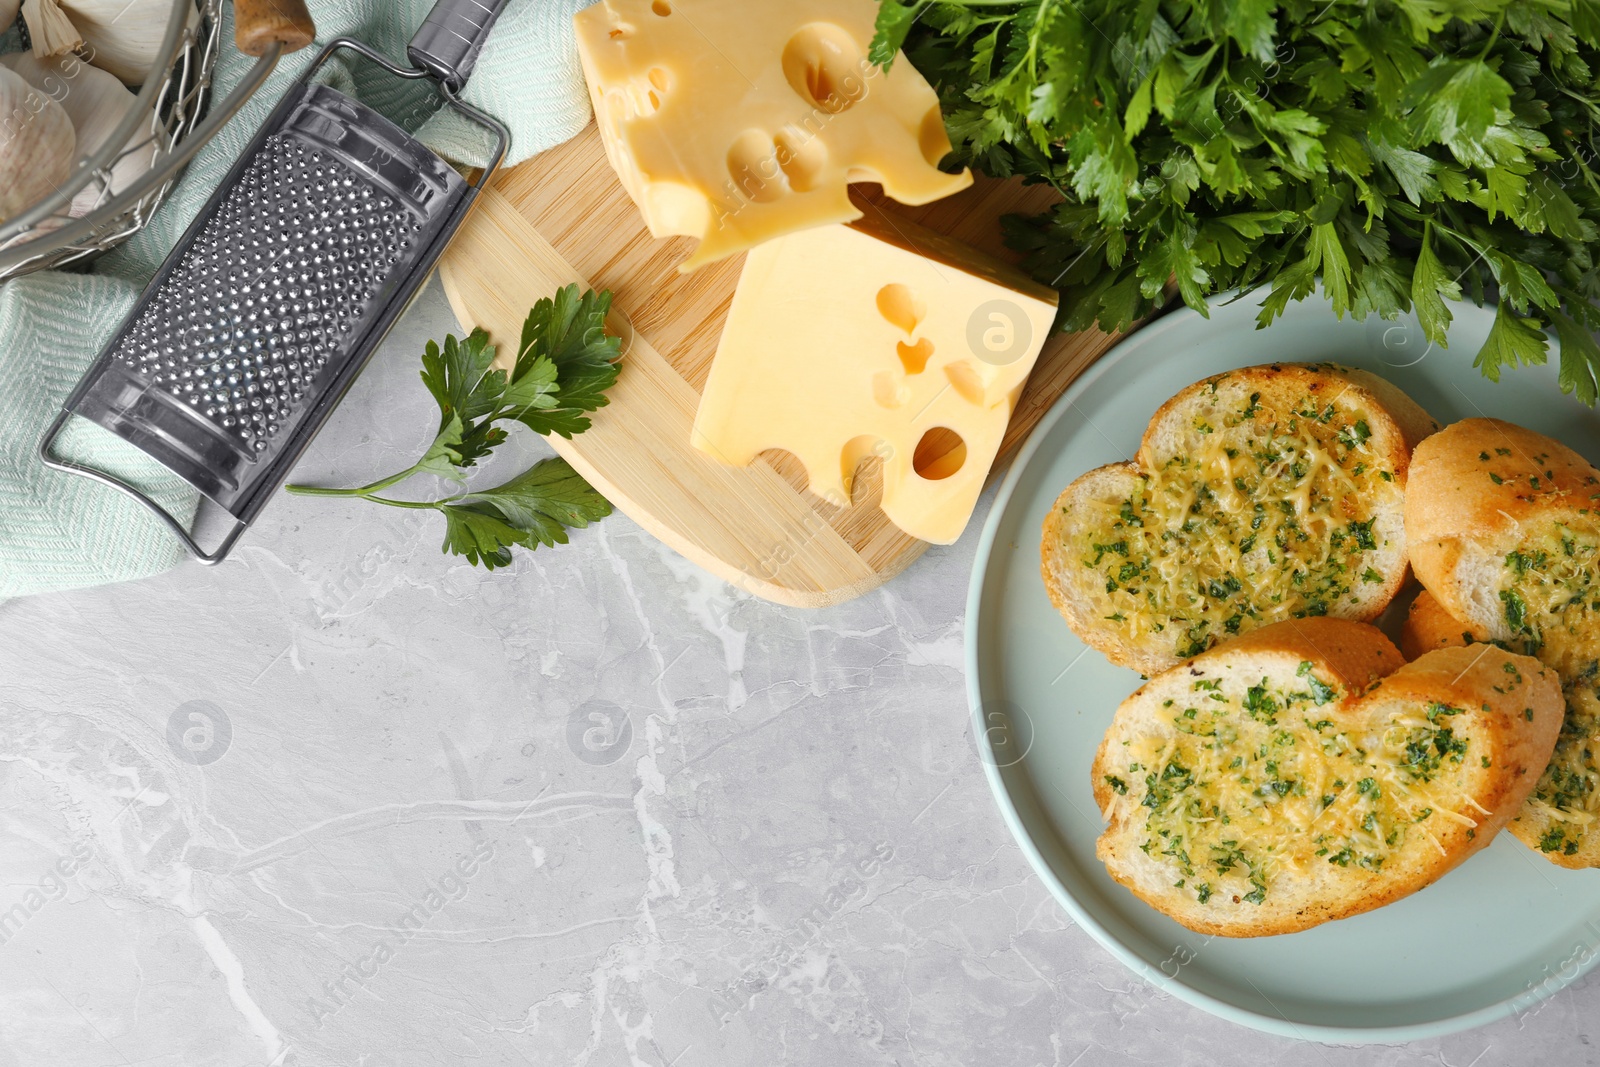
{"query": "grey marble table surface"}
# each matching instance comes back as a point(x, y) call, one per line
point(347, 801)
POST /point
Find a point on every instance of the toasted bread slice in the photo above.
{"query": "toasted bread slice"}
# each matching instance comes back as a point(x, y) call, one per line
point(1504, 525)
point(1301, 773)
point(1428, 627)
point(1557, 817)
point(1259, 495)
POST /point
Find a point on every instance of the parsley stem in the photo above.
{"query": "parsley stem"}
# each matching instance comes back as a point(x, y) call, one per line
point(1493, 37)
point(433, 505)
point(361, 491)
point(367, 492)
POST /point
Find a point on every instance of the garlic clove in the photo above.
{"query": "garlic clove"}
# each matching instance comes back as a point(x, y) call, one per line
point(37, 145)
point(96, 102)
point(120, 36)
point(49, 28)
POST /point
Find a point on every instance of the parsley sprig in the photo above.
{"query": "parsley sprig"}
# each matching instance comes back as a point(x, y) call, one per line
point(564, 364)
point(1401, 154)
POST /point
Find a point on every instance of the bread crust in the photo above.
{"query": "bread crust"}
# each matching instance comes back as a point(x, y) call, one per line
point(1428, 627)
point(1394, 422)
point(1062, 582)
point(1514, 726)
point(1414, 421)
point(1454, 506)
point(1480, 489)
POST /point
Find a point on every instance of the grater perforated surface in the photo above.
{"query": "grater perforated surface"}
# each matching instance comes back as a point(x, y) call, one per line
point(282, 286)
point(290, 261)
point(274, 298)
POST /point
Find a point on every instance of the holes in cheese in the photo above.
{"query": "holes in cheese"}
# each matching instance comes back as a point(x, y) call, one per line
point(802, 159)
point(966, 381)
point(889, 390)
point(939, 454)
point(753, 167)
point(850, 341)
point(900, 306)
point(824, 65)
point(763, 115)
point(914, 358)
point(659, 82)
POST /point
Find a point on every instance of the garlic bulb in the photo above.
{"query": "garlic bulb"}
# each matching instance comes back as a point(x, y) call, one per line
point(36, 145)
point(96, 102)
point(120, 36)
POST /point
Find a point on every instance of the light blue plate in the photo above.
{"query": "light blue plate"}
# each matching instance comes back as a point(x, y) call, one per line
point(1490, 939)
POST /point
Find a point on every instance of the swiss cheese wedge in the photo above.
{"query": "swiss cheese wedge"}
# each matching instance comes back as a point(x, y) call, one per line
point(1301, 774)
point(1504, 526)
point(1259, 495)
point(876, 338)
point(736, 122)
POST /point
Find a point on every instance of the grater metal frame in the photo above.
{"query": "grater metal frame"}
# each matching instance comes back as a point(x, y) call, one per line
point(406, 288)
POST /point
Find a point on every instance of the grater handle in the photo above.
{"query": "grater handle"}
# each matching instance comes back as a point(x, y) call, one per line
point(448, 42)
point(212, 558)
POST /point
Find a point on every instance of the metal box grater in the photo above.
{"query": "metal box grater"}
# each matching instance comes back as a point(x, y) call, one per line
point(278, 293)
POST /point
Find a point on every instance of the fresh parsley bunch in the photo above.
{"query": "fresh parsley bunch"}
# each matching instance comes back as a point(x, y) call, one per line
point(1406, 152)
point(564, 364)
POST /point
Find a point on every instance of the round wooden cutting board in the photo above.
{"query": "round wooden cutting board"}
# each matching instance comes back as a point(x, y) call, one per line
point(563, 217)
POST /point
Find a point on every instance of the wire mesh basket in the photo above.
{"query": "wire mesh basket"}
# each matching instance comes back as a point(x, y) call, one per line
point(171, 118)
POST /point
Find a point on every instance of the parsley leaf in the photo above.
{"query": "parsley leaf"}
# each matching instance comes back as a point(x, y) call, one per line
point(894, 22)
point(1513, 339)
point(444, 455)
point(1397, 155)
point(458, 375)
point(1431, 286)
point(1580, 358)
point(569, 334)
point(564, 364)
point(533, 509)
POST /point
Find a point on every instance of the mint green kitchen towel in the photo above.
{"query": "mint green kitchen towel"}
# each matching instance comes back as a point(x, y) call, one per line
point(58, 531)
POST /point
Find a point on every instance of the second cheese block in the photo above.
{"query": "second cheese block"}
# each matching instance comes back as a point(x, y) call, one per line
point(735, 122)
point(876, 337)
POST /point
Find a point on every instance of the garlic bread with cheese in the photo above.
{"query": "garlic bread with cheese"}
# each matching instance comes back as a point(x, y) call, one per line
point(1428, 626)
point(1504, 528)
point(1562, 808)
point(1259, 495)
point(1302, 773)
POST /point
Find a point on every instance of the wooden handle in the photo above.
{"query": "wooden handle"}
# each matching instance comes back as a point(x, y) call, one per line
point(259, 24)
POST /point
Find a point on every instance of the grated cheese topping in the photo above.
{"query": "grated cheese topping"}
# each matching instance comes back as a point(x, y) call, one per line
point(1243, 781)
point(1550, 608)
point(1263, 516)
